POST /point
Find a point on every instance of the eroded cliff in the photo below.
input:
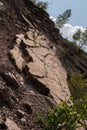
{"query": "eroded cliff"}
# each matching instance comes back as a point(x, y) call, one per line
point(32, 78)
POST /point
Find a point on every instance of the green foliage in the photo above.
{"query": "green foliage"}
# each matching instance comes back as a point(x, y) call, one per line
point(41, 4)
point(72, 114)
point(80, 37)
point(62, 19)
point(66, 116)
point(76, 36)
point(78, 85)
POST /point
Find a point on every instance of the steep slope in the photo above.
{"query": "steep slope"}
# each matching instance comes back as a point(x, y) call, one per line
point(32, 78)
point(33, 56)
point(73, 60)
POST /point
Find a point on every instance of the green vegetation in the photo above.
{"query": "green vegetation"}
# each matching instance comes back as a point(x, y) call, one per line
point(72, 114)
point(62, 19)
point(80, 37)
point(68, 115)
point(41, 4)
point(78, 85)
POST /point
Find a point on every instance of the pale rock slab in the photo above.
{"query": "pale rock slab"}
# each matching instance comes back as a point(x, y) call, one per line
point(11, 125)
point(45, 67)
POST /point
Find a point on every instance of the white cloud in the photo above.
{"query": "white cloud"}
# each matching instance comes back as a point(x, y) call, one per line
point(68, 30)
point(53, 19)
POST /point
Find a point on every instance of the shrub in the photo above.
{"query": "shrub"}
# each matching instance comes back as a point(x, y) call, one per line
point(66, 116)
point(78, 85)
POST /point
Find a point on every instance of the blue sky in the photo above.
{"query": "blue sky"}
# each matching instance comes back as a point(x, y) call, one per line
point(78, 7)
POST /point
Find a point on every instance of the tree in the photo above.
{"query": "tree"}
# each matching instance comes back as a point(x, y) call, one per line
point(78, 85)
point(43, 5)
point(62, 19)
point(80, 37)
point(67, 116)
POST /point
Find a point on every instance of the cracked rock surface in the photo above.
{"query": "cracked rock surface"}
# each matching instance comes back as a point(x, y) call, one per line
point(32, 78)
point(34, 55)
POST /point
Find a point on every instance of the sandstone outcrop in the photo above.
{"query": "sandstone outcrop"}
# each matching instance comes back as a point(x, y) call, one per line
point(44, 70)
point(32, 78)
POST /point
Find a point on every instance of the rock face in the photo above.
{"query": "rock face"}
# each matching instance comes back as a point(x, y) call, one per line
point(32, 52)
point(32, 78)
point(11, 125)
